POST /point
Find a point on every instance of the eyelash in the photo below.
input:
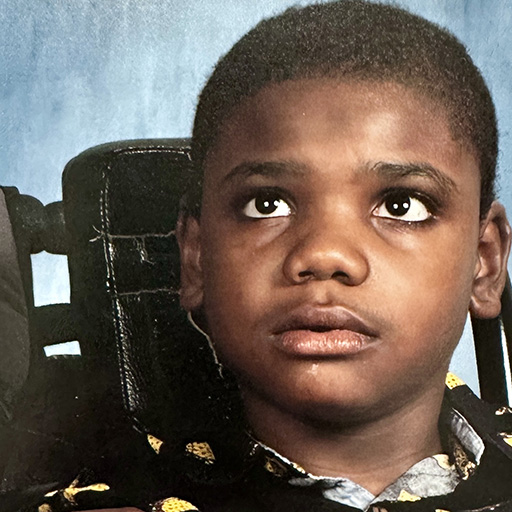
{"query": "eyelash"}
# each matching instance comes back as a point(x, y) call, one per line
point(431, 204)
point(245, 199)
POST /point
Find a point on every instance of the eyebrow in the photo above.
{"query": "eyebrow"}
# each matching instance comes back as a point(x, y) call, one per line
point(403, 170)
point(387, 170)
point(272, 168)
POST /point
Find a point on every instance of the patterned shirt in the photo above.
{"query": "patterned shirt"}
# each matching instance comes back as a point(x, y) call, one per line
point(469, 476)
point(432, 476)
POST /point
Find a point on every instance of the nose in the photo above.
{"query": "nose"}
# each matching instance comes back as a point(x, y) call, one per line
point(328, 251)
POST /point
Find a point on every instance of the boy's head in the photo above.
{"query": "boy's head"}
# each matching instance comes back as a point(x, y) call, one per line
point(347, 221)
point(355, 40)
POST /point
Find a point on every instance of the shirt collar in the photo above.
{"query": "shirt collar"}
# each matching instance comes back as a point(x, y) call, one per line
point(433, 476)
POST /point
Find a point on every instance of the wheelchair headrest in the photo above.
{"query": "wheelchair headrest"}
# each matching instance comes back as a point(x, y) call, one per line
point(121, 204)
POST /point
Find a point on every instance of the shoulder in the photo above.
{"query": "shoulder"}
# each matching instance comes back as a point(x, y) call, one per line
point(490, 486)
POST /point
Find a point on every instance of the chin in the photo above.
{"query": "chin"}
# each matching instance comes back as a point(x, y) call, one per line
point(333, 416)
point(320, 407)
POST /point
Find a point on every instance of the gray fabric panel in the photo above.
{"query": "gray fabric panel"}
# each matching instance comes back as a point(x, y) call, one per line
point(14, 337)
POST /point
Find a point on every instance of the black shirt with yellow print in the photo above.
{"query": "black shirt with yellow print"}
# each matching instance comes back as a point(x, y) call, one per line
point(242, 475)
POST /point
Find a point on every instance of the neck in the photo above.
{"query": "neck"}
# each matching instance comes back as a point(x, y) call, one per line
point(373, 453)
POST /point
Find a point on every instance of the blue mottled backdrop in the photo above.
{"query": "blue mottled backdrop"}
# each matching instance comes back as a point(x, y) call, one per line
point(75, 73)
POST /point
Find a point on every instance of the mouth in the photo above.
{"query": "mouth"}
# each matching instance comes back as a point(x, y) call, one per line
point(333, 332)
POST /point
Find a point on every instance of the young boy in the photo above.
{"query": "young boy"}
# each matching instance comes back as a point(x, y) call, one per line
point(342, 225)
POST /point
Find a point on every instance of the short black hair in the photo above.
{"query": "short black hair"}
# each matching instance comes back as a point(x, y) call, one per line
point(358, 40)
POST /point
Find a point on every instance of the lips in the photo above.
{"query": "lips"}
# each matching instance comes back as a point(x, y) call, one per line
point(323, 332)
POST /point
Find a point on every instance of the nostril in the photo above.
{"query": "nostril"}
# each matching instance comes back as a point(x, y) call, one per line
point(306, 275)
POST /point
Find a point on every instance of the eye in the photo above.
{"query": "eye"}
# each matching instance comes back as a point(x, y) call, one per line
point(402, 205)
point(267, 205)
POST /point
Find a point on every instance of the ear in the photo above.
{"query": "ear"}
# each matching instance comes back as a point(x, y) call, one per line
point(188, 235)
point(491, 270)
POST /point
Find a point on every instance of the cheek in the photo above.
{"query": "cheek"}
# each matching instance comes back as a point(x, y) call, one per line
point(428, 290)
point(233, 285)
point(450, 272)
point(241, 261)
point(442, 262)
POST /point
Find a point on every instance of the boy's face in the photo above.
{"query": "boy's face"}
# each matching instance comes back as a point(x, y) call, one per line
point(338, 247)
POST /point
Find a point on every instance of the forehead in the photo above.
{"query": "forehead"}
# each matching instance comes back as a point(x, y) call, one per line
point(329, 117)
